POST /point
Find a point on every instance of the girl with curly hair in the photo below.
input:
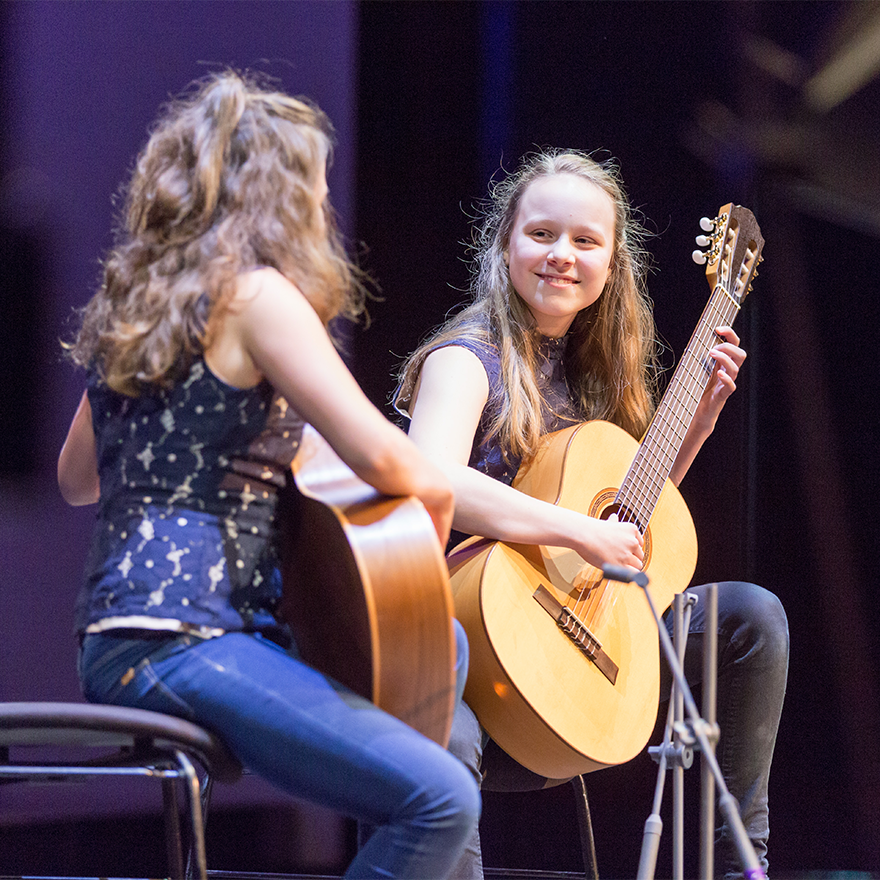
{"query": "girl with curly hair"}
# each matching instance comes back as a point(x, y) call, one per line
point(206, 349)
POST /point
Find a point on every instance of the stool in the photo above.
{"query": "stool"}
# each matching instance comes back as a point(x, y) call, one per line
point(118, 741)
point(501, 773)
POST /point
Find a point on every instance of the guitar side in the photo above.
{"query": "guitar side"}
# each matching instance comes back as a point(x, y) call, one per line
point(366, 591)
point(534, 690)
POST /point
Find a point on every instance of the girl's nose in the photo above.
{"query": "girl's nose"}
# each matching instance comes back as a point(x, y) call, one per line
point(562, 251)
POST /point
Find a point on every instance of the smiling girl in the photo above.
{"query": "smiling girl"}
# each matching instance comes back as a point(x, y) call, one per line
point(560, 331)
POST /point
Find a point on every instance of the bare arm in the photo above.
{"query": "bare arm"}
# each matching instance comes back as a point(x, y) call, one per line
point(729, 357)
point(285, 341)
point(77, 462)
point(452, 392)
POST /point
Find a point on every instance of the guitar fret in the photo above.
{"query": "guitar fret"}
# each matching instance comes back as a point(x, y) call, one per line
point(668, 445)
point(653, 463)
point(696, 369)
point(734, 305)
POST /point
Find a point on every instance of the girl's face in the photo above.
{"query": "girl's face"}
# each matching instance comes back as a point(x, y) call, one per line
point(561, 247)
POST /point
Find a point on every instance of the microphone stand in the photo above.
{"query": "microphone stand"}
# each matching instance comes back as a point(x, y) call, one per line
point(696, 730)
point(673, 752)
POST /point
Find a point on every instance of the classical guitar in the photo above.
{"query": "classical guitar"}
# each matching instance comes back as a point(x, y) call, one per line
point(564, 665)
point(366, 591)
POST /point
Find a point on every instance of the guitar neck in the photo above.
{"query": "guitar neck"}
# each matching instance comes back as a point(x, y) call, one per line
point(657, 453)
point(731, 265)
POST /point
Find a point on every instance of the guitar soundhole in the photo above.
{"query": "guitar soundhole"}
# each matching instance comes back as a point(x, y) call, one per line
point(624, 514)
point(604, 507)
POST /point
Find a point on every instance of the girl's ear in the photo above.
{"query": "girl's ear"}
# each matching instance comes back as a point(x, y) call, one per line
point(506, 257)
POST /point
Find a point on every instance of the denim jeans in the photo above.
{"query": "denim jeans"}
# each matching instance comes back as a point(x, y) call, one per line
point(306, 734)
point(752, 674)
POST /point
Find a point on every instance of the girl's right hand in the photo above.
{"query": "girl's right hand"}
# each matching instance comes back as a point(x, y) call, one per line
point(610, 541)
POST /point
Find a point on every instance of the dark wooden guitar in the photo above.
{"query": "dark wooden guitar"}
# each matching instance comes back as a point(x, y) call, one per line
point(366, 591)
point(564, 665)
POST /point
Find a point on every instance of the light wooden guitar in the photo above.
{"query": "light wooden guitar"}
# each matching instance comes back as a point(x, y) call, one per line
point(366, 591)
point(564, 665)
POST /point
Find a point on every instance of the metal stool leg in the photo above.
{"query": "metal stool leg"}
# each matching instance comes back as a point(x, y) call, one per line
point(173, 837)
point(192, 858)
point(585, 826)
point(198, 861)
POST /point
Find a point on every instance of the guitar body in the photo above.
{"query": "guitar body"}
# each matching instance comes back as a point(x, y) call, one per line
point(366, 591)
point(537, 694)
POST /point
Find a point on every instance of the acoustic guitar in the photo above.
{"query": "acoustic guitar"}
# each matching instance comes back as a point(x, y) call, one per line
point(564, 665)
point(366, 591)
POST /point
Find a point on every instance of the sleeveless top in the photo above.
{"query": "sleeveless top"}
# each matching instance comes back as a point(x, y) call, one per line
point(185, 538)
point(559, 409)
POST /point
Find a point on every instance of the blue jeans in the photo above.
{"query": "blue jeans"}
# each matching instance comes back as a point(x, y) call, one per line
point(752, 674)
point(304, 733)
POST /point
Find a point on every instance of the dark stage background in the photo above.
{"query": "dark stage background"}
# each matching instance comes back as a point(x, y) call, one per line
point(702, 103)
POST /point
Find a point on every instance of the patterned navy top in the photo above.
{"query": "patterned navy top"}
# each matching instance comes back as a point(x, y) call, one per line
point(185, 538)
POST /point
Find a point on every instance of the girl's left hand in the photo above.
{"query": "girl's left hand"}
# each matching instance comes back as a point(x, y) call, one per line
point(728, 357)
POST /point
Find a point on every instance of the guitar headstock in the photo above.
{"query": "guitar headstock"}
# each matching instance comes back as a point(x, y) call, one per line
point(734, 250)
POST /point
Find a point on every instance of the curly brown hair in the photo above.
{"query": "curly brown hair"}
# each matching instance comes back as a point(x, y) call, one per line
point(611, 357)
point(225, 183)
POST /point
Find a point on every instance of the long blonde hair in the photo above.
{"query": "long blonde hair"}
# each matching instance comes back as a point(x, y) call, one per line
point(225, 183)
point(611, 356)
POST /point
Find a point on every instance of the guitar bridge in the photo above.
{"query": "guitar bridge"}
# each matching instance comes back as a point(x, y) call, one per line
point(577, 631)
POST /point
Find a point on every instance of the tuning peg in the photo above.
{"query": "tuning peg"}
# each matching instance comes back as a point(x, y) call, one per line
point(706, 224)
point(703, 240)
point(698, 257)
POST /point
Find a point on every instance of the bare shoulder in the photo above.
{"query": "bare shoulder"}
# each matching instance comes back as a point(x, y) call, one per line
point(264, 298)
point(454, 369)
point(452, 389)
point(460, 360)
point(260, 285)
point(266, 302)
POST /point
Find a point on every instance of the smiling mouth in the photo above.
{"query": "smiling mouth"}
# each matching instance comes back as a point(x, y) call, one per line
point(559, 279)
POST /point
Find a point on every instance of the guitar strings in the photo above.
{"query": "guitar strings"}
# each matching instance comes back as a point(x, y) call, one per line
point(641, 489)
point(653, 463)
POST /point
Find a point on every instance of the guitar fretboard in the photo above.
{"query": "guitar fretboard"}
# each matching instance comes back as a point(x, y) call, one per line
point(640, 491)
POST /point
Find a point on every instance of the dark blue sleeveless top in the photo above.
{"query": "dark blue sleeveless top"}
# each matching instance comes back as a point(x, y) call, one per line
point(185, 537)
point(559, 410)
